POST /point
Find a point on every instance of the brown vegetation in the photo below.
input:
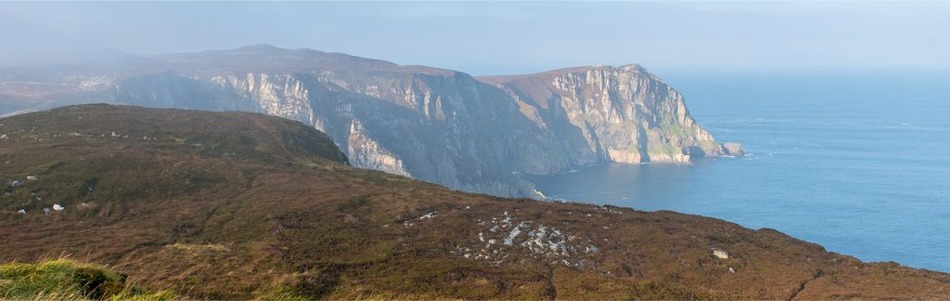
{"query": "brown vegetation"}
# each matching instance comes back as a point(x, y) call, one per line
point(237, 206)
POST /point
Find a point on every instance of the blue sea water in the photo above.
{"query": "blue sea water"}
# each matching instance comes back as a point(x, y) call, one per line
point(859, 163)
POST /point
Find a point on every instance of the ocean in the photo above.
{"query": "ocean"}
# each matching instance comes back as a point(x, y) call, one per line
point(856, 162)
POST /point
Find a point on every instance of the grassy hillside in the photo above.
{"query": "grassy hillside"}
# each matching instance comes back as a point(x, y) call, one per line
point(239, 206)
point(63, 279)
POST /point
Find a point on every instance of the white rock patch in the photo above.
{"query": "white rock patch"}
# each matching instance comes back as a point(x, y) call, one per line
point(720, 254)
point(514, 234)
point(528, 238)
point(429, 215)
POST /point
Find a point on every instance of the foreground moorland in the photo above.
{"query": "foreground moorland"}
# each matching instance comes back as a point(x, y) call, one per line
point(241, 206)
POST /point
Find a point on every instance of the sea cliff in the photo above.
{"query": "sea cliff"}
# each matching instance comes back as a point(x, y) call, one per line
point(437, 125)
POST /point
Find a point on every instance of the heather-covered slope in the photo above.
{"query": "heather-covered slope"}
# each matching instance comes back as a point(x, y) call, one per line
point(431, 124)
point(237, 205)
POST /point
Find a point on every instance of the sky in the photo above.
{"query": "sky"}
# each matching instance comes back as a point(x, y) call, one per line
point(485, 38)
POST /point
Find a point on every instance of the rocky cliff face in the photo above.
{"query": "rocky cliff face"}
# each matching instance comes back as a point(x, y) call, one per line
point(622, 114)
point(432, 124)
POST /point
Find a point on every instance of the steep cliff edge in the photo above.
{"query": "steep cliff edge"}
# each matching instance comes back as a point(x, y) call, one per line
point(432, 124)
point(624, 114)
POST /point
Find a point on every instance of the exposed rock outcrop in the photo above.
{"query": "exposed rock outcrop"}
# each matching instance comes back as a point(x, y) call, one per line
point(733, 149)
point(365, 152)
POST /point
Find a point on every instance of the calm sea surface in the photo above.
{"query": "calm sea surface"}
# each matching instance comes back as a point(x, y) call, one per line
point(857, 163)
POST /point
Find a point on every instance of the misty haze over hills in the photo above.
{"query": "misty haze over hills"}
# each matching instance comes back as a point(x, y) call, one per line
point(491, 38)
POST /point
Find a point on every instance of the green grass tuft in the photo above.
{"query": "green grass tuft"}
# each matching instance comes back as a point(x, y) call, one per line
point(64, 279)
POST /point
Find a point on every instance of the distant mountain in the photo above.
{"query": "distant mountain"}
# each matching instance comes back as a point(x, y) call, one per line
point(443, 126)
point(247, 206)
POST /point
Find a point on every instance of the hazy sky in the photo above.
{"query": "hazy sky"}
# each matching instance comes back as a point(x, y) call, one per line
point(498, 38)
